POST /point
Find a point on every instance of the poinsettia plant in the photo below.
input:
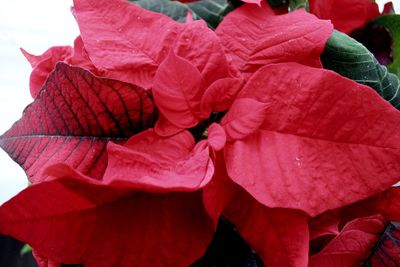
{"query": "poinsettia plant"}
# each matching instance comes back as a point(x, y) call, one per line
point(213, 133)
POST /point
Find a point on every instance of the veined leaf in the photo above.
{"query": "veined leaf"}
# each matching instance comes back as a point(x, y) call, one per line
point(251, 37)
point(351, 59)
point(392, 23)
point(321, 132)
point(211, 11)
point(73, 118)
point(387, 250)
point(107, 225)
point(351, 247)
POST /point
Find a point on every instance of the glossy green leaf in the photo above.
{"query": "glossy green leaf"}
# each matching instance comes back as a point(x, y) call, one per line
point(351, 59)
point(392, 23)
point(211, 11)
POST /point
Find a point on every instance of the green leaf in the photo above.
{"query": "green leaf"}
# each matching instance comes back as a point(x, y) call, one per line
point(296, 4)
point(351, 59)
point(392, 23)
point(211, 11)
point(25, 249)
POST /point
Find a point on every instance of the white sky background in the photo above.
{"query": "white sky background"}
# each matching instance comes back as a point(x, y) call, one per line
point(35, 26)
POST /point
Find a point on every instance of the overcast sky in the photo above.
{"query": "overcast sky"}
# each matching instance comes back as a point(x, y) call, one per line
point(34, 26)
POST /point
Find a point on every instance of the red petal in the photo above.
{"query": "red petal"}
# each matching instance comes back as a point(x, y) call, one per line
point(346, 15)
point(72, 120)
point(202, 47)
point(42, 65)
point(121, 48)
point(172, 164)
point(219, 192)
point(244, 117)
point(323, 229)
point(72, 221)
point(165, 128)
point(322, 132)
point(177, 91)
point(81, 58)
point(327, 224)
point(132, 49)
point(352, 245)
point(216, 137)
point(279, 236)
point(254, 37)
point(220, 95)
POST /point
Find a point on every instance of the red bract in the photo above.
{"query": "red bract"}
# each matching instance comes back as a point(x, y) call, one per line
point(44, 64)
point(251, 36)
point(346, 15)
point(73, 118)
point(174, 163)
point(352, 246)
point(280, 236)
point(76, 220)
point(321, 132)
point(121, 49)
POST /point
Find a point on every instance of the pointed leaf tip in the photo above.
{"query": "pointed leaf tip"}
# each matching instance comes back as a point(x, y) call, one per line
point(73, 118)
point(177, 91)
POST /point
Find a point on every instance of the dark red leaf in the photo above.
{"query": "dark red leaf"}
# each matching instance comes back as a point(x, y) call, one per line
point(326, 225)
point(321, 132)
point(279, 236)
point(255, 36)
point(385, 203)
point(346, 15)
point(171, 164)
point(74, 221)
point(387, 250)
point(73, 118)
point(352, 246)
